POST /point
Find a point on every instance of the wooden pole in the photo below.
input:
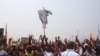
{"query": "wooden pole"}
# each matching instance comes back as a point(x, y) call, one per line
point(44, 31)
point(44, 27)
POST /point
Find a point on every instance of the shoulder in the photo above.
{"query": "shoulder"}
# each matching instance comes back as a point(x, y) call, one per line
point(69, 53)
point(63, 53)
point(3, 52)
point(75, 54)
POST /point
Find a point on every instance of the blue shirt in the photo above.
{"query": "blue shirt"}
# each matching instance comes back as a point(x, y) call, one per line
point(3, 53)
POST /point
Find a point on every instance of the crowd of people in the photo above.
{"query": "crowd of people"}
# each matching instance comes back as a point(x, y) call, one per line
point(44, 47)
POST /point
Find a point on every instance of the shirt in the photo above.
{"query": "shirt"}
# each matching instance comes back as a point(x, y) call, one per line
point(3, 53)
point(48, 53)
point(69, 52)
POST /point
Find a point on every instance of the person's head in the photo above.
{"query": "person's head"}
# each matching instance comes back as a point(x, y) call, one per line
point(40, 36)
point(55, 39)
point(29, 50)
point(1, 47)
point(65, 40)
point(44, 36)
point(70, 45)
point(58, 37)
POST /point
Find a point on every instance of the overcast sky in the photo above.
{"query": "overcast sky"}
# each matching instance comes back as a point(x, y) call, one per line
point(69, 17)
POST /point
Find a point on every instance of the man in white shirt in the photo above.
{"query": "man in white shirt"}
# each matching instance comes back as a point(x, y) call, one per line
point(2, 51)
point(48, 53)
point(70, 51)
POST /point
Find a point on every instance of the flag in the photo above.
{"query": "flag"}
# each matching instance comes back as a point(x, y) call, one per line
point(40, 15)
point(98, 31)
point(91, 36)
point(43, 15)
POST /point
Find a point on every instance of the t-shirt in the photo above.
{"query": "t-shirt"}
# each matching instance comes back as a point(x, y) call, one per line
point(69, 52)
point(3, 53)
point(48, 53)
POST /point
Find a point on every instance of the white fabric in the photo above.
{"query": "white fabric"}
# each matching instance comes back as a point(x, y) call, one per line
point(69, 52)
point(43, 15)
point(3, 53)
point(80, 50)
point(48, 53)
